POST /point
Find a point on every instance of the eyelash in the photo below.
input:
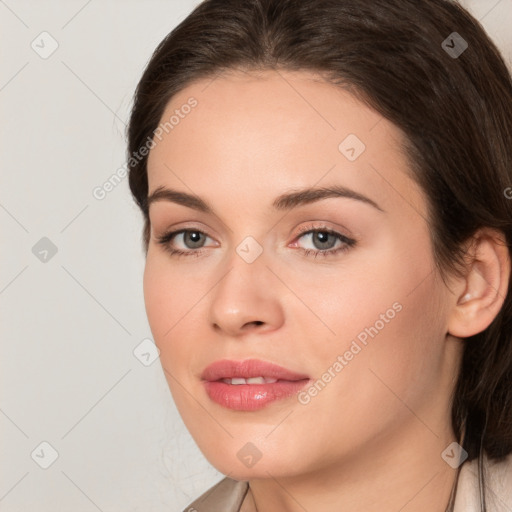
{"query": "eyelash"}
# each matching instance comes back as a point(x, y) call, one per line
point(166, 238)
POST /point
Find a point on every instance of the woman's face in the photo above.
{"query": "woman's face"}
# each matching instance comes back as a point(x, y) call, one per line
point(338, 288)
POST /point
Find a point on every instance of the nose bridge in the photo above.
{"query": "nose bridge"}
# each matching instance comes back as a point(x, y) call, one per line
point(245, 269)
point(243, 294)
point(249, 250)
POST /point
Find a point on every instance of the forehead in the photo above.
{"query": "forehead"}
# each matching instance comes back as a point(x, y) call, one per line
point(257, 134)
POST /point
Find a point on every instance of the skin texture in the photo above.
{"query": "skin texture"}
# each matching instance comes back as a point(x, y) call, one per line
point(372, 438)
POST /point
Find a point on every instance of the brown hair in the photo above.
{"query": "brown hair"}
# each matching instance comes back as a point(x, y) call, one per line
point(455, 111)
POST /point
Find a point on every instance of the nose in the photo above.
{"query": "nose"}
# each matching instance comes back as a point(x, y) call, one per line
point(246, 299)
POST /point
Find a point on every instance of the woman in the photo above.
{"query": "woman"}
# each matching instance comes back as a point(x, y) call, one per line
point(326, 192)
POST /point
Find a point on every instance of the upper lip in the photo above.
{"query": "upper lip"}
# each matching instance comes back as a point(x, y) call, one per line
point(227, 369)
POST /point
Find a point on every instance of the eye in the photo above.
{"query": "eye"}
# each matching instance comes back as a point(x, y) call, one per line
point(325, 241)
point(191, 238)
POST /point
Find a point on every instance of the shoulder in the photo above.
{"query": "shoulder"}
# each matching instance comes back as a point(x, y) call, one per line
point(498, 486)
point(225, 496)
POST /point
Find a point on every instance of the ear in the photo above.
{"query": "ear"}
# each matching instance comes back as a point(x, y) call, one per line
point(481, 293)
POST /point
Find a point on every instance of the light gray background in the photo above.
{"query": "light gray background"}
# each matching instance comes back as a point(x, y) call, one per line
point(69, 325)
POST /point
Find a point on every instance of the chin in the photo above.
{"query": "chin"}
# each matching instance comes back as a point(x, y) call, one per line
point(242, 460)
point(237, 470)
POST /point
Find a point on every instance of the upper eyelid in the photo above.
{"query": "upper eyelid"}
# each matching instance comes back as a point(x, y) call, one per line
point(302, 232)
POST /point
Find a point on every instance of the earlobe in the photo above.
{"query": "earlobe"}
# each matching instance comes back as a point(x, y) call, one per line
point(484, 287)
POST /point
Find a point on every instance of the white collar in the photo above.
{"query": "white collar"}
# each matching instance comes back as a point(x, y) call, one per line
point(498, 486)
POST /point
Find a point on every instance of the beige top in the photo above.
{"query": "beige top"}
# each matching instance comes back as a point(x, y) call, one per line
point(230, 495)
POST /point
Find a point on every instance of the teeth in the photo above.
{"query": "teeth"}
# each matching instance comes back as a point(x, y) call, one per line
point(253, 380)
point(256, 380)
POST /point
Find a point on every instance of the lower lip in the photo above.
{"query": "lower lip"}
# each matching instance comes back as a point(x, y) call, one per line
point(251, 397)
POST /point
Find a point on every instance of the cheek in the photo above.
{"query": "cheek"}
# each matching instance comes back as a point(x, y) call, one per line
point(390, 330)
point(400, 360)
point(168, 298)
point(157, 296)
point(168, 294)
point(379, 380)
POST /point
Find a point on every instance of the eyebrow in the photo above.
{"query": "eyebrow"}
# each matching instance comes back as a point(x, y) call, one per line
point(283, 202)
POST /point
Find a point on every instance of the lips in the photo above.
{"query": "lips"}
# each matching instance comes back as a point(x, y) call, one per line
point(250, 385)
point(250, 368)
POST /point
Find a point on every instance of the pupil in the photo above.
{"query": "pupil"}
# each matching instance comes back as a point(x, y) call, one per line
point(194, 238)
point(322, 238)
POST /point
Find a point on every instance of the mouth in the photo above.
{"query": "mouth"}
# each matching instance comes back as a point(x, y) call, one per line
point(250, 385)
point(237, 381)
